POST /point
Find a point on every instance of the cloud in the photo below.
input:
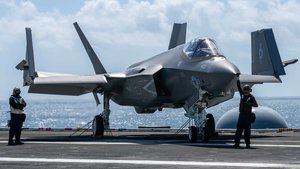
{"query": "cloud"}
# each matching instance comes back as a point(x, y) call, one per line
point(134, 30)
point(116, 22)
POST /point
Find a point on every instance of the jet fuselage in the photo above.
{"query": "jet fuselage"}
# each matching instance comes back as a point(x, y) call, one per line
point(171, 78)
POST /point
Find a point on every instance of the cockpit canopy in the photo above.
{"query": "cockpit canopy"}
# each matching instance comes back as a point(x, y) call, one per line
point(200, 48)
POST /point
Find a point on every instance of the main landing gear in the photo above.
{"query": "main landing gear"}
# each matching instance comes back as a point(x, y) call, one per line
point(101, 121)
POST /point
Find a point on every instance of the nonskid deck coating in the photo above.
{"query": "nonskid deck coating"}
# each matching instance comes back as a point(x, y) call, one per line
point(134, 149)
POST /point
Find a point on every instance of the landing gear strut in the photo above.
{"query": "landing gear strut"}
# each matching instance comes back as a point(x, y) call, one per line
point(101, 121)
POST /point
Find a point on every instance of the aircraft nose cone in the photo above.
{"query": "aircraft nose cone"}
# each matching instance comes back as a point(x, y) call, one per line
point(222, 75)
point(225, 67)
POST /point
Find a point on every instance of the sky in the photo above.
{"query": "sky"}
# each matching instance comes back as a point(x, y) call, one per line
point(128, 31)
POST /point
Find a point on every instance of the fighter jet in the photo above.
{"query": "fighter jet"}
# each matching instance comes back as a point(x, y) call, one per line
point(193, 75)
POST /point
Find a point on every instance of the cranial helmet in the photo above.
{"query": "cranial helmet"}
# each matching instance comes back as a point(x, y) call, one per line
point(247, 88)
point(16, 91)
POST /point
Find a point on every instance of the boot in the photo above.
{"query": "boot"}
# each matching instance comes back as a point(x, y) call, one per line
point(236, 146)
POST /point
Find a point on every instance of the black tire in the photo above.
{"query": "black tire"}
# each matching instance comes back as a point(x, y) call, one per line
point(209, 129)
point(211, 124)
point(193, 132)
point(98, 126)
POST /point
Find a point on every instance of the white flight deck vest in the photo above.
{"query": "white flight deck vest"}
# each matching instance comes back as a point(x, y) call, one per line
point(16, 111)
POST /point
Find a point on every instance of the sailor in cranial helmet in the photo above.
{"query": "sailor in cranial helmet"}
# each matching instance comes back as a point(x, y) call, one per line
point(17, 117)
point(244, 122)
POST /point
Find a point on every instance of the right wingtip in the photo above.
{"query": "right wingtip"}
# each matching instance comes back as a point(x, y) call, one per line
point(289, 62)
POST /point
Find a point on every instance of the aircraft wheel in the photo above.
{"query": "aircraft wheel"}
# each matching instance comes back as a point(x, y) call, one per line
point(209, 129)
point(193, 131)
point(98, 126)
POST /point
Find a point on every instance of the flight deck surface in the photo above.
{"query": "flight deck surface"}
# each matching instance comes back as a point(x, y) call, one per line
point(148, 149)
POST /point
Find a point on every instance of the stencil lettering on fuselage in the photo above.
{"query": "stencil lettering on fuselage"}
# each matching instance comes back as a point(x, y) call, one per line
point(260, 53)
point(149, 87)
point(195, 82)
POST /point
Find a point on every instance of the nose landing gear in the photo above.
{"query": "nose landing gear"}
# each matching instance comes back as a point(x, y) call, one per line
point(204, 132)
point(204, 123)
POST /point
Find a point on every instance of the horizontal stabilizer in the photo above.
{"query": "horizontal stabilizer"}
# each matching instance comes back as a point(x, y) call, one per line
point(98, 67)
point(178, 35)
point(258, 79)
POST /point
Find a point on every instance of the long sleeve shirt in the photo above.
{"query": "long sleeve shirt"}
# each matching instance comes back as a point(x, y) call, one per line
point(246, 102)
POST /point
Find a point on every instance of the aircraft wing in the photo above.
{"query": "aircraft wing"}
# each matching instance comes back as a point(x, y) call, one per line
point(63, 84)
point(258, 79)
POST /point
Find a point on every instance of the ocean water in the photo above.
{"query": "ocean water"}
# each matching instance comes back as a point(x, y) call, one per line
point(76, 113)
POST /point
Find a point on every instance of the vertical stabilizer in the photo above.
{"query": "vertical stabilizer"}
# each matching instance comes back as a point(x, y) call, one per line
point(27, 65)
point(98, 67)
point(178, 35)
point(265, 55)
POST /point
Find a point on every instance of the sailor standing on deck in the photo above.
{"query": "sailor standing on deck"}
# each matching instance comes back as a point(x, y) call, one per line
point(244, 122)
point(17, 117)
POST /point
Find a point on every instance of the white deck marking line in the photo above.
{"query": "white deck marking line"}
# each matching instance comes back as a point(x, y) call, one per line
point(150, 162)
point(77, 142)
point(128, 143)
point(253, 145)
point(278, 141)
point(276, 145)
point(266, 141)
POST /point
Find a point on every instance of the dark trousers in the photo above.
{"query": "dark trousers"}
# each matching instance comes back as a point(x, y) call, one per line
point(16, 123)
point(243, 125)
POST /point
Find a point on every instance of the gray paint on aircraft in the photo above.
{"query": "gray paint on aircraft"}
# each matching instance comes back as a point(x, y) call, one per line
point(174, 78)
